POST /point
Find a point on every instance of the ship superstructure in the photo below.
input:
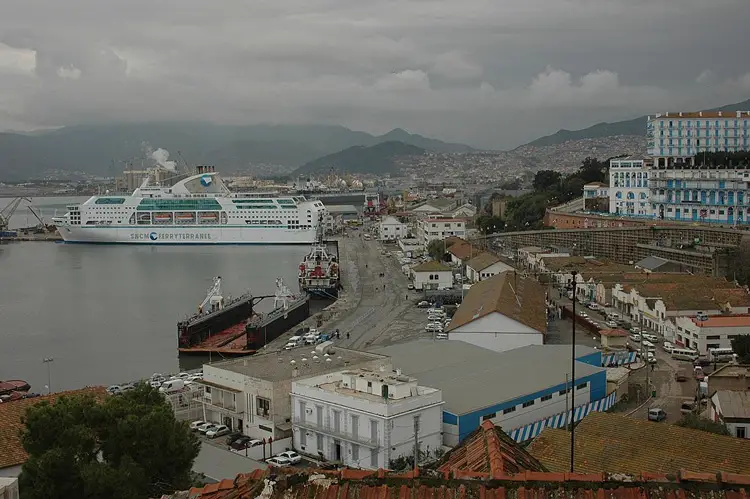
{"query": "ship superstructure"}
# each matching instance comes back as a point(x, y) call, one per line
point(197, 210)
point(319, 272)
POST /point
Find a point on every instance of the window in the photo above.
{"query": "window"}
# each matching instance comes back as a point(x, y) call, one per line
point(582, 386)
point(262, 407)
point(489, 416)
point(355, 425)
point(302, 438)
point(528, 404)
point(374, 457)
point(509, 410)
point(546, 397)
point(563, 392)
point(319, 438)
point(740, 432)
point(355, 453)
point(714, 337)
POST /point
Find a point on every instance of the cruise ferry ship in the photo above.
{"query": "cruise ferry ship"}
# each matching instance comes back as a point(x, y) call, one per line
point(197, 210)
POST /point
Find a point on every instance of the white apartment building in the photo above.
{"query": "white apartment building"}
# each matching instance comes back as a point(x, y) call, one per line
point(714, 332)
point(391, 229)
point(251, 394)
point(629, 190)
point(437, 228)
point(683, 135)
point(682, 190)
point(364, 418)
point(432, 275)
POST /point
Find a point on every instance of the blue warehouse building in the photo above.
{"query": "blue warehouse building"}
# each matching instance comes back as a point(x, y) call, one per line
point(521, 390)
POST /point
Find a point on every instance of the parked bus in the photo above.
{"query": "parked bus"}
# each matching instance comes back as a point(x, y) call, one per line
point(721, 354)
point(684, 354)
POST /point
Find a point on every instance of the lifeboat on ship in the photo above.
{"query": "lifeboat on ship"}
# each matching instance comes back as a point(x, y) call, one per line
point(301, 269)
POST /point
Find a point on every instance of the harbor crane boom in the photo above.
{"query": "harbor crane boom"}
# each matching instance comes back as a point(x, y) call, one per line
point(213, 296)
point(7, 212)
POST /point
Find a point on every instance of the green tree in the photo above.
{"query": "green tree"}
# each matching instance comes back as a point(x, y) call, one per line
point(697, 422)
point(488, 224)
point(546, 180)
point(741, 346)
point(128, 446)
point(436, 249)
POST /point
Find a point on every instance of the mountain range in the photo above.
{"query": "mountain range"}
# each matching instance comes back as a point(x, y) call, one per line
point(635, 126)
point(379, 158)
point(110, 148)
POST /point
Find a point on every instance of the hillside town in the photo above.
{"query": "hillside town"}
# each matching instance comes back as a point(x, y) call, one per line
point(606, 351)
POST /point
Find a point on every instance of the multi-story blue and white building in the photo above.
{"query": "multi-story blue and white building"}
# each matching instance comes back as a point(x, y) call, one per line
point(628, 187)
point(669, 185)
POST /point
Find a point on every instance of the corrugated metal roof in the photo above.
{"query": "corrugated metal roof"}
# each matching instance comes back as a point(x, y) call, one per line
point(472, 377)
point(734, 404)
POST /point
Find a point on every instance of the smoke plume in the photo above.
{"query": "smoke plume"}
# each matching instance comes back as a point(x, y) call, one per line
point(161, 156)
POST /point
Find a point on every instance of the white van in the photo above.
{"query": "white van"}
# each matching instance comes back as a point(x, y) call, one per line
point(172, 385)
point(648, 346)
point(684, 354)
point(293, 342)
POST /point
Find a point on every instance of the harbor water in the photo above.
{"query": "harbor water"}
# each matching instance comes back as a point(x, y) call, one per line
point(107, 313)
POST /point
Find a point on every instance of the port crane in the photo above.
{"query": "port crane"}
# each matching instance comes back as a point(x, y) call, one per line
point(213, 297)
point(7, 212)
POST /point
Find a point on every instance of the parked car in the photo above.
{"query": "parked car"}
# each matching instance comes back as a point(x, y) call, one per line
point(218, 431)
point(114, 390)
point(667, 346)
point(635, 338)
point(410, 286)
point(311, 338)
point(656, 414)
point(232, 437)
point(441, 336)
point(292, 456)
point(423, 304)
point(435, 318)
point(279, 461)
point(433, 328)
point(611, 324)
point(584, 315)
point(687, 407)
point(241, 443)
point(195, 424)
point(680, 377)
point(651, 337)
point(206, 426)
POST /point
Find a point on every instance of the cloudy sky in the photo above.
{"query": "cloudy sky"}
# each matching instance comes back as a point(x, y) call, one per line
point(491, 73)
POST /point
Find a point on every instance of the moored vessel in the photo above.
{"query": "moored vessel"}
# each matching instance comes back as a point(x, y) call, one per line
point(319, 272)
point(215, 314)
point(199, 209)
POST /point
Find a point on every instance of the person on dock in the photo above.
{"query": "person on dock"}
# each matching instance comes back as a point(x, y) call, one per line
point(347, 335)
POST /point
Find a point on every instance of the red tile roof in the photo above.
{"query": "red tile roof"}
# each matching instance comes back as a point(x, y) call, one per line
point(488, 452)
point(724, 321)
point(292, 483)
point(11, 450)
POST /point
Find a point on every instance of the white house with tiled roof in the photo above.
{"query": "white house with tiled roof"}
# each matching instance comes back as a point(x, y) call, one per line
point(432, 275)
point(484, 266)
point(501, 313)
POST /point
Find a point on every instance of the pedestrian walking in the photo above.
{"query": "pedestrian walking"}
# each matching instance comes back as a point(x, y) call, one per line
point(347, 335)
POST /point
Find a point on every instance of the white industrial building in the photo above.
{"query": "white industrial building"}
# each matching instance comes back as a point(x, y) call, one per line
point(364, 419)
point(251, 394)
point(432, 275)
point(410, 247)
point(716, 331)
point(484, 266)
point(436, 228)
point(391, 229)
point(501, 313)
point(516, 390)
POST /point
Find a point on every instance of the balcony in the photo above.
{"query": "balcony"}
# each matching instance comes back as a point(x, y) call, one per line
point(335, 433)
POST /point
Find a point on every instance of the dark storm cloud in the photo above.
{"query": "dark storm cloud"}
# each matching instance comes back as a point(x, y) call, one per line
point(491, 73)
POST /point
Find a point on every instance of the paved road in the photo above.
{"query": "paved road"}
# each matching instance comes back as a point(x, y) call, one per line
point(219, 463)
point(385, 310)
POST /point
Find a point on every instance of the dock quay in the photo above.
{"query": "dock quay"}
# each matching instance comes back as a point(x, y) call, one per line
point(11, 236)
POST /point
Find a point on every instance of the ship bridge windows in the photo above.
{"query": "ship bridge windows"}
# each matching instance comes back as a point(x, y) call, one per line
point(110, 201)
point(178, 204)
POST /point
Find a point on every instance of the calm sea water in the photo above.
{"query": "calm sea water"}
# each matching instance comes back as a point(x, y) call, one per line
point(107, 314)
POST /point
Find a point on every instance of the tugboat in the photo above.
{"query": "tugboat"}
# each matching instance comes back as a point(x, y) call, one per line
point(214, 316)
point(319, 272)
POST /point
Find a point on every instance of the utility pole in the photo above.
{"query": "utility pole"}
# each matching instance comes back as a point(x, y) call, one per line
point(416, 442)
point(567, 408)
point(573, 379)
point(48, 361)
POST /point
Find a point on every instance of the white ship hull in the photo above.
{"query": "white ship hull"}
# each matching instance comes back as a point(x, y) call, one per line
point(185, 235)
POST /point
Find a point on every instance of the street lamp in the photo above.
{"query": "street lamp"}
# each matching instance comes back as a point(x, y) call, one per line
point(48, 361)
point(573, 283)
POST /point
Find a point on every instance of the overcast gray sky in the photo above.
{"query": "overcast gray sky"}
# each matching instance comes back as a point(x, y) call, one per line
point(491, 73)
